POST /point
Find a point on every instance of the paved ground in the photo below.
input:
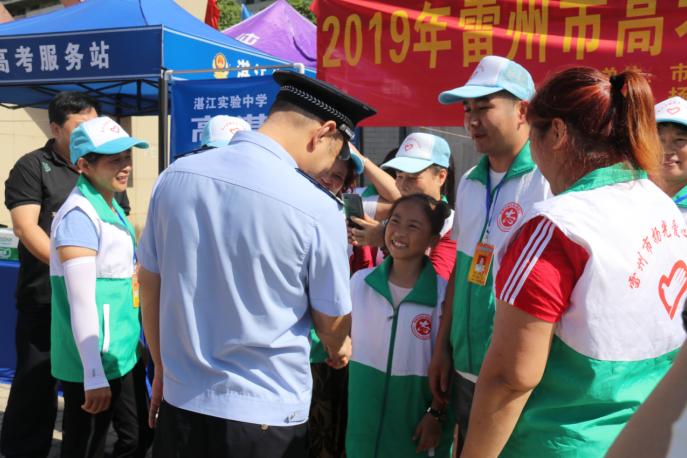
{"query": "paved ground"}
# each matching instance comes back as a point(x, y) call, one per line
point(57, 432)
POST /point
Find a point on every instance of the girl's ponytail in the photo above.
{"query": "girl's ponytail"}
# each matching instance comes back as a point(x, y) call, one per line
point(634, 126)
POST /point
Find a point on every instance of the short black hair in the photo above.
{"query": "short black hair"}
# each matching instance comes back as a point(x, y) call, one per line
point(70, 102)
point(502, 93)
point(284, 105)
point(681, 127)
point(92, 158)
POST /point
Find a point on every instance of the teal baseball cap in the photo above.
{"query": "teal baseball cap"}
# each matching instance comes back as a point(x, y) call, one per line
point(100, 135)
point(673, 110)
point(493, 74)
point(419, 151)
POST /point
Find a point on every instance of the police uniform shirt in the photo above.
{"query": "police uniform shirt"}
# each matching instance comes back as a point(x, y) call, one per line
point(244, 245)
point(41, 177)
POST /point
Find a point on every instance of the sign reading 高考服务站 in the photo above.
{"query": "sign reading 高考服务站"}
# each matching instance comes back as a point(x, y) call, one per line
point(81, 56)
point(399, 55)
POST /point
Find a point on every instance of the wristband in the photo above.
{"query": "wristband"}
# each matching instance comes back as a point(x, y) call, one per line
point(439, 415)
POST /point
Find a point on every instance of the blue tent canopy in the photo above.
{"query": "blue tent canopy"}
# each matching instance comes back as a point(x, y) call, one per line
point(116, 50)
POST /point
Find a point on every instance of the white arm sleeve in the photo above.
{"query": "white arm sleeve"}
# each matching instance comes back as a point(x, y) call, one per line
point(79, 278)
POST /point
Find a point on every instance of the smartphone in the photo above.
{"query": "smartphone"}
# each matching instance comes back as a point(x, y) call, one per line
point(353, 206)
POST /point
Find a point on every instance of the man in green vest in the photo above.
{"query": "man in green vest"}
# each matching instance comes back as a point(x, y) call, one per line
point(491, 201)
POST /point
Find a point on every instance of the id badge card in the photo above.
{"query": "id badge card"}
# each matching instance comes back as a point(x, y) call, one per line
point(134, 289)
point(481, 263)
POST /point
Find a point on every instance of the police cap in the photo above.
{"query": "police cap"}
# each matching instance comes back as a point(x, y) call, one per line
point(324, 101)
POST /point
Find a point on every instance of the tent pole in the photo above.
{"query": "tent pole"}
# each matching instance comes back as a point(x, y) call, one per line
point(163, 157)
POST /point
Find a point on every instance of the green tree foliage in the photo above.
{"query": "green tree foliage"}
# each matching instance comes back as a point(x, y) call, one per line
point(303, 7)
point(230, 11)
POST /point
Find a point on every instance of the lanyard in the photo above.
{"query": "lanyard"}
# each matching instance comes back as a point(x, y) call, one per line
point(681, 199)
point(490, 203)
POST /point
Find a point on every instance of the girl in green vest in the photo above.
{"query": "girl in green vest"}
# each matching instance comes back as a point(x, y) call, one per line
point(396, 308)
point(95, 327)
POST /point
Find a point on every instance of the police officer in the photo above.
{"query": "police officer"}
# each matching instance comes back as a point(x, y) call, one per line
point(242, 251)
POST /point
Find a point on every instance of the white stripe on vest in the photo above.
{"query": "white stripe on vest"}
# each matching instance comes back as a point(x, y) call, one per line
point(528, 259)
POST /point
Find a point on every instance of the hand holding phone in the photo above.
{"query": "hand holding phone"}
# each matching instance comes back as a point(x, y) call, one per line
point(353, 206)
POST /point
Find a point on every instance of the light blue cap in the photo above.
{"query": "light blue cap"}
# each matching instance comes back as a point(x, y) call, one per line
point(493, 74)
point(220, 130)
point(673, 109)
point(419, 151)
point(100, 135)
point(358, 165)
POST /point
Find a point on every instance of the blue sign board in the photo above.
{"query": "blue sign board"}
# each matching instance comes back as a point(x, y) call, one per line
point(81, 56)
point(194, 102)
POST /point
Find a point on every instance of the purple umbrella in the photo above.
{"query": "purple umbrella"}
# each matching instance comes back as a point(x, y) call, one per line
point(279, 30)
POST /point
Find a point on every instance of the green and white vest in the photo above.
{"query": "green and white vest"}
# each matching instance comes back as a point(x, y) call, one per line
point(680, 200)
point(120, 328)
point(622, 329)
point(388, 391)
point(473, 305)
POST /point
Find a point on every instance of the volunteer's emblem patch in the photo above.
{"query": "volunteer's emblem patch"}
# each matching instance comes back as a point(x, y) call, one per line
point(672, 287)
point(422, 326)
point(510, 214)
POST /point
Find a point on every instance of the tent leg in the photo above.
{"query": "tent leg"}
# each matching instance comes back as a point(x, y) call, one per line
point(163, 157)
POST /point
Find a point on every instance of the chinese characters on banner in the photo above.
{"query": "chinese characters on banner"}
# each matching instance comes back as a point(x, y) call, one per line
point(194, 102)
point(411, 50)
point(79, 56)
point(51, 61)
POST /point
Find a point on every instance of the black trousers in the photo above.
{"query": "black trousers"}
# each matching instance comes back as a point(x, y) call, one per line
point(463, 392)
point(29, 418)
point(185, 434)
point(84, 434)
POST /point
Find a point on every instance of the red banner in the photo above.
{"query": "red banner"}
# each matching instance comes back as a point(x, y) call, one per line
point(398, 56)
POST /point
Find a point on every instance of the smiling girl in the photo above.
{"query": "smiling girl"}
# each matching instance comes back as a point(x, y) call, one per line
point(396, 308)
point(95, 326)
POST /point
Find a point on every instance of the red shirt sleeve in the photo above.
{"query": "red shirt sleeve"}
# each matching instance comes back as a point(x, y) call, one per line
point(443, 256)
point(362, 258)
point(540, 269)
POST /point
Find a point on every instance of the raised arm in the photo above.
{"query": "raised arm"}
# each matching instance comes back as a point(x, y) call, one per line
point(382, 181)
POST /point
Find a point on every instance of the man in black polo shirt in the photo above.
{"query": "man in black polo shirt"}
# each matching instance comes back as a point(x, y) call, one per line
point(37, 186)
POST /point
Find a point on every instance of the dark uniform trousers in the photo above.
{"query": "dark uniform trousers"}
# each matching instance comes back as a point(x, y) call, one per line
point(184, 434)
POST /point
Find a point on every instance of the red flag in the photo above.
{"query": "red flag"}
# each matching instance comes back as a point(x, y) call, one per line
point(5, 16)
point(212, 14)
point(67, 3)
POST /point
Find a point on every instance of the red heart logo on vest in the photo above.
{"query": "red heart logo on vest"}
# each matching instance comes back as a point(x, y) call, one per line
point(671, 288)
point(673, 110)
